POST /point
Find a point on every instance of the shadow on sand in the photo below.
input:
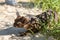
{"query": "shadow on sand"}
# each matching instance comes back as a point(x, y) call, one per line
point(21, 4)
point(2, 3)
point(15, 31)
point(26, 4)
point(11, 30)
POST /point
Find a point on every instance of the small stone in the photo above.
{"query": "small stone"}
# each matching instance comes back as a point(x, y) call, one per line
point(11, 2)
point(51, 38)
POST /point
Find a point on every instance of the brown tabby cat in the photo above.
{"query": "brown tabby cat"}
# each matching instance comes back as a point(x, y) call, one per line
point(32, 23)
point(28, 24)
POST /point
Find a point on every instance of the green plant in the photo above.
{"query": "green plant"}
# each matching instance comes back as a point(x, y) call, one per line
point(53, 28)
point(48, 4)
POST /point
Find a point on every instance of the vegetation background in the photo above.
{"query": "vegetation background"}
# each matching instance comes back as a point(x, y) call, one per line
point(54, 28)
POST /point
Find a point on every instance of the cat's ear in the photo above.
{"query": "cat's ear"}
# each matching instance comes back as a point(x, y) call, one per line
point(17, 13)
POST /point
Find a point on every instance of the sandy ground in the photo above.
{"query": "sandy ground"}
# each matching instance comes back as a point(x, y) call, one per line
point(7, 16)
